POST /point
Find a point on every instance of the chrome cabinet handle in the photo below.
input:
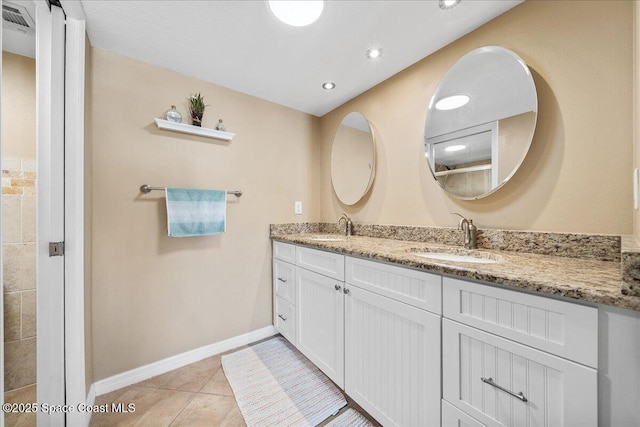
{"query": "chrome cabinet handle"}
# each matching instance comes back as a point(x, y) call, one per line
point(282, 317)
point(516, 395)
point(282, 280)
point(346, 291)
point(338, 287)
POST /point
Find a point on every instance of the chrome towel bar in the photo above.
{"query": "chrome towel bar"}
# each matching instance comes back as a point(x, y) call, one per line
point(144, 188)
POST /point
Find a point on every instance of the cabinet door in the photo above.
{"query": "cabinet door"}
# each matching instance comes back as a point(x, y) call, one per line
point(284, 280)
point(558, 392)
point(320, 322)
point(392, 359)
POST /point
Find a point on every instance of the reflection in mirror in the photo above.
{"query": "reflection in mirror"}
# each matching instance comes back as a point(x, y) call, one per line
point(353, 159)
point(480, 122)
point(19, 204)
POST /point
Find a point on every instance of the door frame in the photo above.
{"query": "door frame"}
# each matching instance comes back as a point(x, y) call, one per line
point(50, 70)
point(74, 293)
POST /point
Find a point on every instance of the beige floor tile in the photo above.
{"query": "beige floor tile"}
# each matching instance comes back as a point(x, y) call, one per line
point(218, 384)
point(21, 395)
point(210, 410)
point(189, 378)
point(153, 407)
point(12, 304)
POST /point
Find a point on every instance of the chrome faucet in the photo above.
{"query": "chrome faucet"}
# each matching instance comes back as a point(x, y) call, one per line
point(348, 224)
point(469, 231)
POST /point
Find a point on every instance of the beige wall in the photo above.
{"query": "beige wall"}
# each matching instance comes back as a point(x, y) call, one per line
point(18, 106)
point(636, 102)
point(576, 176)
point(155, 296)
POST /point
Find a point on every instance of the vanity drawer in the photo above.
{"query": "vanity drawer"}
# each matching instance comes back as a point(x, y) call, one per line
point(284, 280)
point(452, 416)
point(561, 328)
point(284, 318)
point(326, 263)
point(416, 288)
point(284, 251)
point(558, 392)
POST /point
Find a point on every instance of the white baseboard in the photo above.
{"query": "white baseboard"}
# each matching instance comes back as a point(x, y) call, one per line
point(91, 400)
point(178, 361)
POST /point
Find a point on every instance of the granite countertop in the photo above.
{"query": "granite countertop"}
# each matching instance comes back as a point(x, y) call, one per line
point(582, 279)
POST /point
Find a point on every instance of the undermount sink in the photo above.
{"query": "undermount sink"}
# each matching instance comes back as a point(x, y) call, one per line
point(455, 258)
point(328, 239)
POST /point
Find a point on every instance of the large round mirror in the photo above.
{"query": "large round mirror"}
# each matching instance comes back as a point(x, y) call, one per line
point(353, 158)
point(480, 122)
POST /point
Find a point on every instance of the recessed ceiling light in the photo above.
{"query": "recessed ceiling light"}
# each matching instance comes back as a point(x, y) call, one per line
point(452, 102)
point(455, 148)
point(448, 4)
point(297, 13)
point(374, 52)
point(328, 85)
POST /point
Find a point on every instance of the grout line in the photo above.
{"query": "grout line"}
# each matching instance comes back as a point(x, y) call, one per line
point(181, 411)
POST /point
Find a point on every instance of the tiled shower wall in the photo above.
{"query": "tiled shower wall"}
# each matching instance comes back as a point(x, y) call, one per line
point(19, 271)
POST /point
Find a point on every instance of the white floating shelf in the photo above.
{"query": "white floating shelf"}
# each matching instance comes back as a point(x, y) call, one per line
point(194, 130)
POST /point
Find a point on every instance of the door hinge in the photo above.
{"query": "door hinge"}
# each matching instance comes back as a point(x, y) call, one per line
point(56, 249)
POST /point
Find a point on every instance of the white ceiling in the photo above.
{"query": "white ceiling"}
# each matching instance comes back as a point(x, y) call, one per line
point(242, 46)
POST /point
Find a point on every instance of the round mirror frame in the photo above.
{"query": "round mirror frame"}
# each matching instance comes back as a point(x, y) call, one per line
point(456, 128)
point(341, 150)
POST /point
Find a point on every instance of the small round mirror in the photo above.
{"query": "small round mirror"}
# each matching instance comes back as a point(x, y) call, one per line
point(480, 122)
point(353, 159)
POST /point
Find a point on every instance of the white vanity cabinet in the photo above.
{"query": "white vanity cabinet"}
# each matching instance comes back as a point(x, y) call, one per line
point(418, 349)
point(506, 358)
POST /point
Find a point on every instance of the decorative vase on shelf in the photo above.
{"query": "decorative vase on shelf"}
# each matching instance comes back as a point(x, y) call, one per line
point(220, 126)
point(196, 109)
point(172, 115)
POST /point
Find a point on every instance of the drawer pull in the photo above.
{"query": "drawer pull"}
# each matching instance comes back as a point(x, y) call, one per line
point(338, 287)
point(282, 280)
point(282, 317)
point(516, 395)
point(346, 291)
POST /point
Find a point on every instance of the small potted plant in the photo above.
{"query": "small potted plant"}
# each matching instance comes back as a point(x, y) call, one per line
point(196, 109)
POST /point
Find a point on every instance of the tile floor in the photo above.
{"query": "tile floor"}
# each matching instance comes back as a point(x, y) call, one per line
point(22, 395)
point(195, 395)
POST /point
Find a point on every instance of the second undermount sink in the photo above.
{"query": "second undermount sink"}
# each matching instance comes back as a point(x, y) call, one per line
point(442, 256)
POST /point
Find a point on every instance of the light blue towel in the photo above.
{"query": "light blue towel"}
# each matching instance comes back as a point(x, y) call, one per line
point(196, 212)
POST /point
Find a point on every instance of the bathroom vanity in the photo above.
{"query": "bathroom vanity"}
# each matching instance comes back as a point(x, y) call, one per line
point(418, 341)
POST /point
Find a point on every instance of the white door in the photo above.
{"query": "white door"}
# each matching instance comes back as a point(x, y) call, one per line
point(503, 383)
point(50, 68)
point(320, 322)
point(392, 359)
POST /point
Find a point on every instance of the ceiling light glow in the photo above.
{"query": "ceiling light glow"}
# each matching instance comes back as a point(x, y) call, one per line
point(452, 102)
point(374, 53)
point(448, 4)
point(455, 148)
point(328, 85)
point(297, 13)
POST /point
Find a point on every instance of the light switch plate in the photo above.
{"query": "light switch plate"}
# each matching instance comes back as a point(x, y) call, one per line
point(297, 208)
